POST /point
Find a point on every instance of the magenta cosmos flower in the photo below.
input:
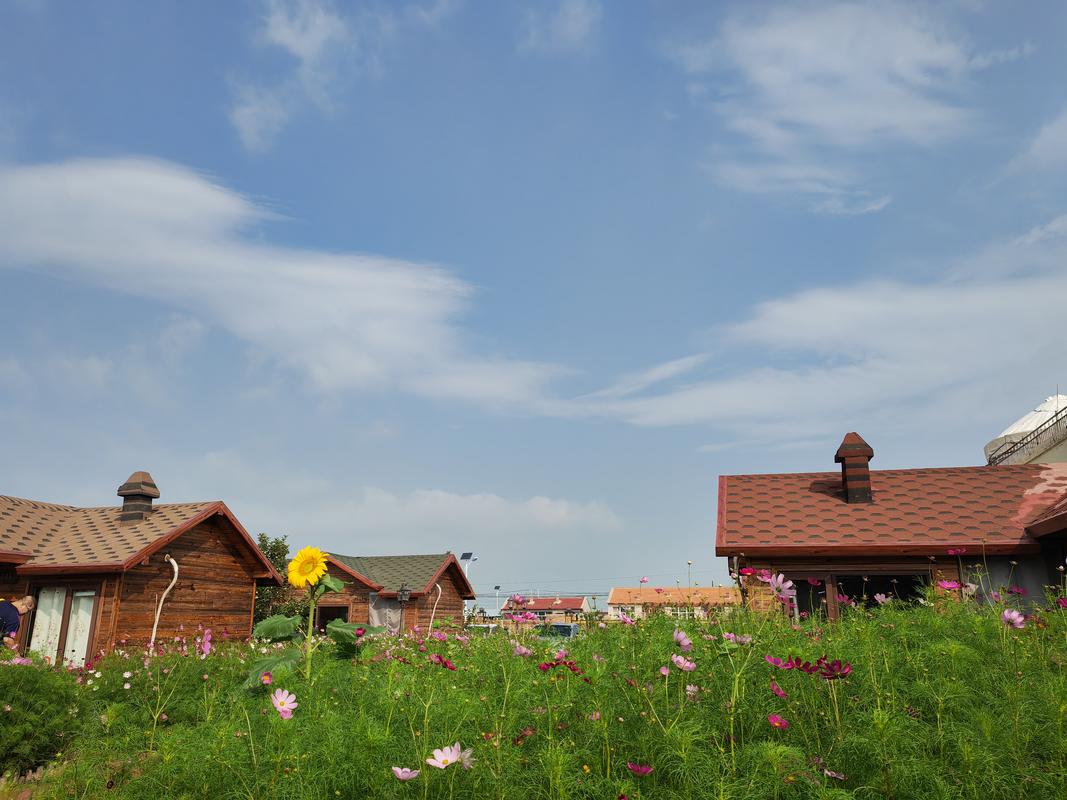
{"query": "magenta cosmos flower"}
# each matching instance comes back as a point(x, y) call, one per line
point(284, 703)
point(445, 756)
point(405, 774)
point(638, 769)
point(1013, 618)
point(684, 643)
point(957, 551)
point(1061, 602)
point(266, 679)
point(778, 690)
point(949, 584)
point(778, 722)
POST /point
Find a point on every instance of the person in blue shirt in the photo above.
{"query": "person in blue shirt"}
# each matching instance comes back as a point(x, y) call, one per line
point(11, 613)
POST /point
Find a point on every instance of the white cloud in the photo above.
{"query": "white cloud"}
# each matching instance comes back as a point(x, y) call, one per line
point(569, 26)
point(345, 321)
point(330, 46)
point(1047, 150)
point(816, 86)
point(639, 381)
point(882, 349)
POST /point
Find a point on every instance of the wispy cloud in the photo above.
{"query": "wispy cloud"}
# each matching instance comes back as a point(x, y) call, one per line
point(910, 351)
point(1047, 150)
point(568, 26)
point(330, 46)
point(806, 90)
point(344, 321)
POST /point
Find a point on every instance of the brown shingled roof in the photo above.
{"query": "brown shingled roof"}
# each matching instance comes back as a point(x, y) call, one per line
point(58, 538)
point(914, 511)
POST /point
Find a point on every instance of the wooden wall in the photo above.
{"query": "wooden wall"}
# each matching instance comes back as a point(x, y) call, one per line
point(12, 586)
point(450, 605)
point(215, 588)
point(355, 597)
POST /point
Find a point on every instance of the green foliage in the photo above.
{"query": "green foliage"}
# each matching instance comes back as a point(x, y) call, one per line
point(942, 702)
point(41, 712)
point(349, 638)
point(273, 600)
point(278, 628)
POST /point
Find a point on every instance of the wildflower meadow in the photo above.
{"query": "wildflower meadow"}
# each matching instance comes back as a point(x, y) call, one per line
point(947, 699)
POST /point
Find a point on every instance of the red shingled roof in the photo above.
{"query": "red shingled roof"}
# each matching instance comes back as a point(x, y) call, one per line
point(914, 511)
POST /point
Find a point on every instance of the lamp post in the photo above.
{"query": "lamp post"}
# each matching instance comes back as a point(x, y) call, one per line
point(497, 590)
point(690, 563)
point(403, 594)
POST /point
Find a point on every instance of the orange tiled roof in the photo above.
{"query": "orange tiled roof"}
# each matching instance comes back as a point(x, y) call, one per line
point(548, 604)
point(56, 536)
point(675, 596)
point(914, 511)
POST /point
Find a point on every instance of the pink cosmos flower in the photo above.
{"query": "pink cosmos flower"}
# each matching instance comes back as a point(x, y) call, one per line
point(560, 655)
point(284, 703)
point(994, 596)
point(1061, 602)
point(789, 663)
point(266, 679)
point(205, 645)
point(881, 599)
point(778, 722)
point(747, 571)
point(814, 582)
point(684, 643)
point(658, 590)
point(691, 690)
point(1013, 618)
point(439, 636)
point(625, 619)
point(683, 663)
point(664, 671)
point(644, 579)
point(778, 690)
point(445, 756)
point(949, 584)
point(594, 717)
point(733, 637)
point(764, 575)
point(957, 551)
point(829, 773)
point(1019, 590)
point(638, 769)
point(521, 651)
point(783, 589)
point(518, 600)
point(405, 774)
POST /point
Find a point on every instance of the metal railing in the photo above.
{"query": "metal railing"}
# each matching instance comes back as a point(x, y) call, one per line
point(1040, 439)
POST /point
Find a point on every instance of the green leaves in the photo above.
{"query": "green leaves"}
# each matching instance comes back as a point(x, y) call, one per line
point(278, 628)
point(277, 664)
point(328, 583)
point(348, 636)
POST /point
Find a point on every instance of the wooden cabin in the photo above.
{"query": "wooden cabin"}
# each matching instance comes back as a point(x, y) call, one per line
point(842, 537)
point(681, 602)
point(98, 574)
point(434, 586)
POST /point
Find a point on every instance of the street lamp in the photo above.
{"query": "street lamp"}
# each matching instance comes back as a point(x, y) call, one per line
point(497, 590)
point(403, 594)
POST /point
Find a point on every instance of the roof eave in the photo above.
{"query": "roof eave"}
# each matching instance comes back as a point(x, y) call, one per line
point(374, 587)
point(888, 550)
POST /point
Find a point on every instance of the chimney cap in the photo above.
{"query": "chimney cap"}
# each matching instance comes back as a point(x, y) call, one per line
point(851, 446)
point(139, 483)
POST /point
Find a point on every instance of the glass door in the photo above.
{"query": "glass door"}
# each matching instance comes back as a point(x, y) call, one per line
point(48, 622)
point(63, 623)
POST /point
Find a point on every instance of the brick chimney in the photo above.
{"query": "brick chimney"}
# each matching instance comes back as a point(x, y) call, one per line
point(853, 455)
point(137, 494)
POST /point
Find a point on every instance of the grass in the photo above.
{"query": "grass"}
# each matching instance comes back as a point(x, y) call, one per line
point(942, 701)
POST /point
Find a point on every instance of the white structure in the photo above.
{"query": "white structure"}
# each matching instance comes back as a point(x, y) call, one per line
point(1038, 437)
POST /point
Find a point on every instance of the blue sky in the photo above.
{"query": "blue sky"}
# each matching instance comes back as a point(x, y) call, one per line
point(520, 278)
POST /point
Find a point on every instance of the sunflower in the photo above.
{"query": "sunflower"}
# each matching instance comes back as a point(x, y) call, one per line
point(308, 566)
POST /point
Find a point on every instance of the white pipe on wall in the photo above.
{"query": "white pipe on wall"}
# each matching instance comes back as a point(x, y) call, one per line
point(435, 602)
point(159, 608)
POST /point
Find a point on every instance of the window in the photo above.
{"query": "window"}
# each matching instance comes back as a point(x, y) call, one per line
point(63, 623)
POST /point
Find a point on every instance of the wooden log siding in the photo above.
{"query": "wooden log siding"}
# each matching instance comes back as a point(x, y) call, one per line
point(355, 597)
point(12, 586)
point(213, 588)
point(449, 606)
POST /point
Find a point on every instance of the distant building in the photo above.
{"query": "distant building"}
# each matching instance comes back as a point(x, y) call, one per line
point(1039, 437)
point(842, 536)
point(551, 609)
point(435, 584)
point(680, 602)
